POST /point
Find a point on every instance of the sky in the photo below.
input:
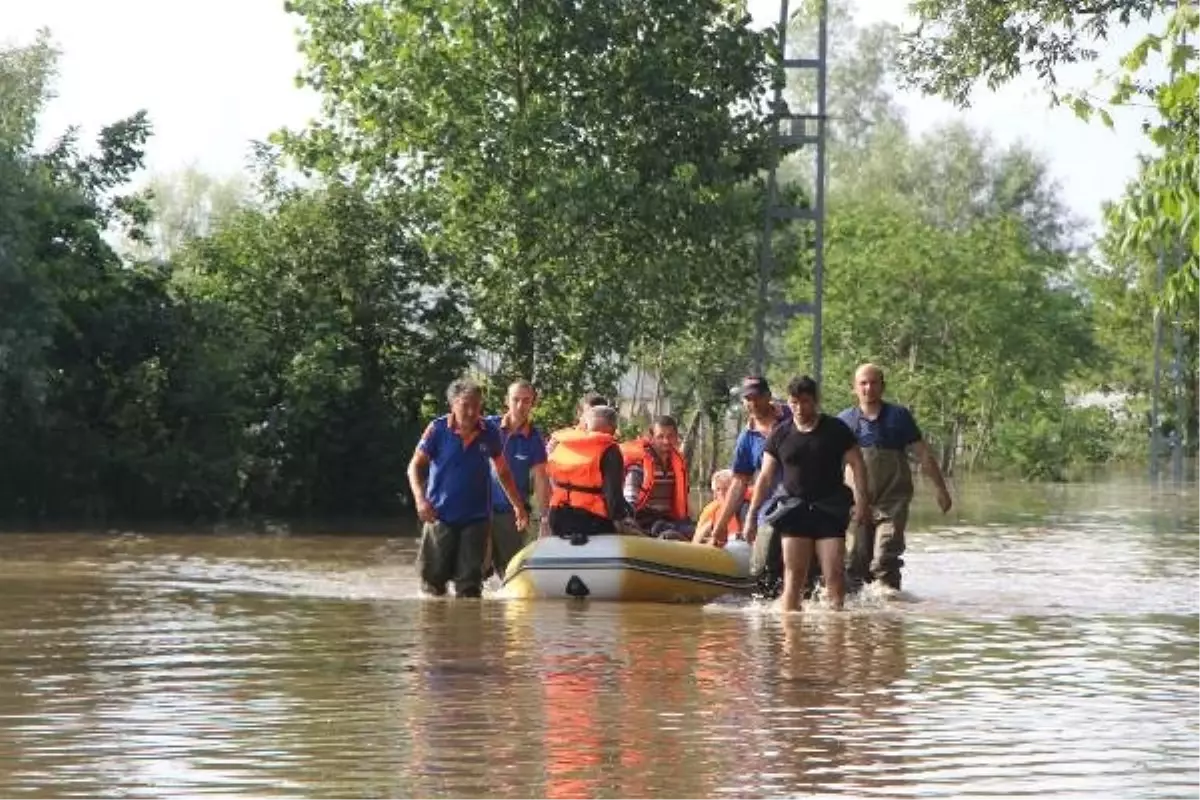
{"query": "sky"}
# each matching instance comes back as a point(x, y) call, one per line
point(216, 75)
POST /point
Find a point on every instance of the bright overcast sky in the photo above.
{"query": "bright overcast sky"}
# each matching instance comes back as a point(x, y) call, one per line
point(215, 75)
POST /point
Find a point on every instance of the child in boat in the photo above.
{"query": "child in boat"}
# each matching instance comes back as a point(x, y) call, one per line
point(722, 480)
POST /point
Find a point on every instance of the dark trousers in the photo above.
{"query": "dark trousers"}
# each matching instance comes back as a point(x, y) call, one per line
point(566, 521)
point(453, 553)
point(507, 540)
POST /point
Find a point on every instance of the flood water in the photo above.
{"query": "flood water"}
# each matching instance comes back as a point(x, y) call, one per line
point(1047, 644)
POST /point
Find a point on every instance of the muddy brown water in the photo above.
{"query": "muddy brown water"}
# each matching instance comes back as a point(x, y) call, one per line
point(1046, 645)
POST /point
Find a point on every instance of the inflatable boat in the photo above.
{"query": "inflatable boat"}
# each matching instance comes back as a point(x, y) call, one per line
point(629, 568)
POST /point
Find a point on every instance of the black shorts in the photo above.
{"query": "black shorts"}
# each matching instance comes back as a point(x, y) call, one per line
point(808, 522)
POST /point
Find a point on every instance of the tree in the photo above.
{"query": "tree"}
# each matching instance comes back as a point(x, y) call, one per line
point(946, 264)
point(187, 205)
point(80, 334)
point(958, 43)
point(26, 76)
point(578, 164)
point(343, 329)
point(860, 96)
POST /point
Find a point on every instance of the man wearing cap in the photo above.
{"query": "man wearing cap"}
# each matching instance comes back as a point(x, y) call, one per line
point(885, 431)
point(764, 416)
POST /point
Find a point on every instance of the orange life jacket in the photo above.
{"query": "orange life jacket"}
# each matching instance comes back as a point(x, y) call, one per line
point(573, 467)
point(639, 452)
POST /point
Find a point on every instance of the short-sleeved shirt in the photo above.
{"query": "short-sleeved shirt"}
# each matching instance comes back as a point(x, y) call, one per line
point(524, 449)
point(812, 461)
point(892, 429)
point(748, 451)
point(460, 470)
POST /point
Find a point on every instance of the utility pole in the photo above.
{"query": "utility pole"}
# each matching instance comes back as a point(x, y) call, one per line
point(803, 130)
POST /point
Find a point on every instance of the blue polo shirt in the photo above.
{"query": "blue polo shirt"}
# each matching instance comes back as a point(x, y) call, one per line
point(748, 453)
point(523, 450)
point(893, 429)
point(460, 470)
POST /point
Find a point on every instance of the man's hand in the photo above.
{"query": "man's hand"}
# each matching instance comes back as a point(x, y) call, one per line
point(425, 511)
point(861, 514)
point(522, 517)
point(544, 527)
point(943, 500)
point(750, 531)
point(627, 527)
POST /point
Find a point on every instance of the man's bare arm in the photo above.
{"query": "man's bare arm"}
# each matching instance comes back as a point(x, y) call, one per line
point(762, 486)
point(504, 475)
point(929, 466)
point(417, 466)
point(733, 501)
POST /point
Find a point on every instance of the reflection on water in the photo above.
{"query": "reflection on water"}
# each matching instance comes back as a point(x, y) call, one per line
point(1050, 651)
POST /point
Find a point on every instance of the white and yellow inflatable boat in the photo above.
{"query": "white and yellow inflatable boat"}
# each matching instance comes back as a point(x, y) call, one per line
point(629, 568)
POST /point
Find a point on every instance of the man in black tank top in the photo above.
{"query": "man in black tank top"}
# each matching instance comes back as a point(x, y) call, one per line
point(812, 511)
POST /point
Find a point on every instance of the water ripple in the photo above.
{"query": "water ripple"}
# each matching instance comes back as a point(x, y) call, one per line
point(1053, 653)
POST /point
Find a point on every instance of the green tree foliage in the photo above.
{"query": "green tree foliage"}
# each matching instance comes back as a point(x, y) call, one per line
point(278, 364)
point(578, 162)
point(565, 188)
point(946, 264)
point(186, 205)
point(957, 44)
point(79, 332)
point(342, 331)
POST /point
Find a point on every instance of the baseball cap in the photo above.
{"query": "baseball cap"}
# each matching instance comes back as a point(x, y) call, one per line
point(755, 385)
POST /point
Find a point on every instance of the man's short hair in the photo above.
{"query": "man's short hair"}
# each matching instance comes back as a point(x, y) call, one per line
point(721, 476)
point(665, 421)
point(463, 387)
point(589, 400)
point(804, 386)
point(601, 415)
point(521, 383)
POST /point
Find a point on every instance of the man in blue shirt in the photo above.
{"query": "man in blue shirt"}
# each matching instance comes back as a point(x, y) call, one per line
point(885, 432)
point(459, 451)
point(765, 414)
point(524, 448)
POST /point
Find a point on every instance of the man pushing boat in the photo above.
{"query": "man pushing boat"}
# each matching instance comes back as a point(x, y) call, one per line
point(459, 452)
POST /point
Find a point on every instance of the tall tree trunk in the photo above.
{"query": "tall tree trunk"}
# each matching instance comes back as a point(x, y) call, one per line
point(658, 379)
point(690, 436)
point(524, 353)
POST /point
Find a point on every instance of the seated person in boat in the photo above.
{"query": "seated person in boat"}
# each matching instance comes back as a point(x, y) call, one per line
point(722, 479)
point(589, 401)
point(656, 482)
point(586, 472)
point(813, 511)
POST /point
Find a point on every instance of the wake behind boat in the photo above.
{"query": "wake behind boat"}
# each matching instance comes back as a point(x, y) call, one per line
point(627, 568)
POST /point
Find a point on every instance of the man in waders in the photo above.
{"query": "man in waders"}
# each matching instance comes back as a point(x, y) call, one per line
point(885, 431)
point(459, 452)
